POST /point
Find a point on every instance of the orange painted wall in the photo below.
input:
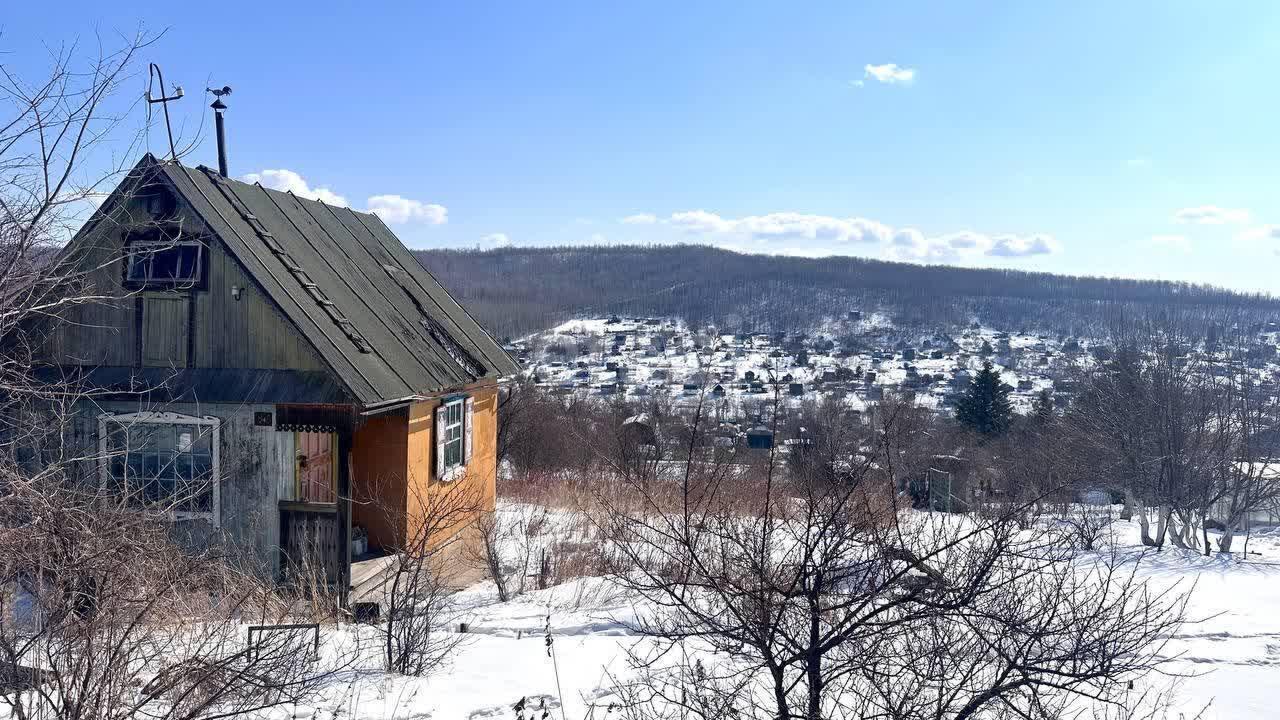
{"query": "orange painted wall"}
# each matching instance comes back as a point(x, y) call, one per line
point(393, 458)
point(378, 454)
point(477, 487)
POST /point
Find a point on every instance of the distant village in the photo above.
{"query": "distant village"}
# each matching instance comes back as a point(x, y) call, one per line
point(859, 357)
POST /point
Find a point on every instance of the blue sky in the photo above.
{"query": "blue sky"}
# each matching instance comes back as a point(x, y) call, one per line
point(1133, 139)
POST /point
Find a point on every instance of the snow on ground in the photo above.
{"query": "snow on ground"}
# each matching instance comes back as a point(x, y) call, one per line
point(1231, 655)
point(1228, 661)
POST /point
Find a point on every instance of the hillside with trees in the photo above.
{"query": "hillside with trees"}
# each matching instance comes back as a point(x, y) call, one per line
point(514, 291)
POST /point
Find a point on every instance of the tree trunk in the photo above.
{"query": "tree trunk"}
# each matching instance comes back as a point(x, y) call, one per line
point(1175, 534)
point(1144, 523)
point(1162, 527)
point(1228, 536)
point(1204, 532)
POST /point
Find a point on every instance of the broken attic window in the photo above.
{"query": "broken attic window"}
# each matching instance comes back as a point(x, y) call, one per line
point(156, 261)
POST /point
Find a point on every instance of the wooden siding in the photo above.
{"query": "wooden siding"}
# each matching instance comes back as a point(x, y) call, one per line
point(166, 324)
point(253, 464)
point(249, 333)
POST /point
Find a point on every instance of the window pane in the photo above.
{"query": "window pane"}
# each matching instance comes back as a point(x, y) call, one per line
point(452, 454)
point(156, 260)
point(165, 465)
point(139, 265)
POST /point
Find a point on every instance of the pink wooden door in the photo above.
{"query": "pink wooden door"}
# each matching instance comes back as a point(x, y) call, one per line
point(316, 467)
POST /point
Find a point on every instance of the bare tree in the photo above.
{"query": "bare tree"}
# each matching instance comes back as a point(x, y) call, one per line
point(412, 588)
point(103, 615)
point(816, 597)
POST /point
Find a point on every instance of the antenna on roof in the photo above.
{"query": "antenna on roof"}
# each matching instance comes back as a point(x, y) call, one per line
point(218, 106)
point(153, 74)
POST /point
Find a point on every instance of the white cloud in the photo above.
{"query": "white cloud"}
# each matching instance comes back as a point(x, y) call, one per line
point(640, 219)
point(1015, 246)
point(784, 226)
point(700, 221)
point(1211, 215)
point(290, 181)
point(966, 246)
point(496, 240)
point(395, 209)
point(889, 74)
point(1174, 243)
point(808, 234)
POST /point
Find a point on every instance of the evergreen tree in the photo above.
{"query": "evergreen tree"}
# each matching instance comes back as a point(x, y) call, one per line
point(1042, 408)
point(985, 406)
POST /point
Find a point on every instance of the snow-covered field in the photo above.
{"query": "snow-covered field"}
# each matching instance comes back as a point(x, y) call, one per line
point(1227, 661)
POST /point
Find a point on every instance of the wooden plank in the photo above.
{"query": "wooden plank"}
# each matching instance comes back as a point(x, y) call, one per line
point(165, 329)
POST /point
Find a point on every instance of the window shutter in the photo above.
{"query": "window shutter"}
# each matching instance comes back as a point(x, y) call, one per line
point(466, 430)
point(442, 417)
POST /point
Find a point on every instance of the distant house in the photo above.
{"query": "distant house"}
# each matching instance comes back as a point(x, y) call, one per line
point(274, 371)
point(760, 438)
point(638, 430)
point(796, 388)
point(718, 391)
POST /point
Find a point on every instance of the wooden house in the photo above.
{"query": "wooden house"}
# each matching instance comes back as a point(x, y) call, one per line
point(272, 370)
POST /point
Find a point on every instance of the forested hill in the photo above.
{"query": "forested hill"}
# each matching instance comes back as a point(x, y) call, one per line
point(514, 291)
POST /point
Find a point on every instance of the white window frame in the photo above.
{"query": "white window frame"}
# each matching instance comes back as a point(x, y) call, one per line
point(166, 418)
point(466, 411)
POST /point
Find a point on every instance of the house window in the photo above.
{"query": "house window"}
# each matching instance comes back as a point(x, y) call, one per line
point(453, 437)
point(163, 461)
point(157, 261)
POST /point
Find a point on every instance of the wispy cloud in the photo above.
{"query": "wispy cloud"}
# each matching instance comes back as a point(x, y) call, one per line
point(1211, 215)
point(888, 74)
point(1262, 232)
point(640, 219)
point(495, 240)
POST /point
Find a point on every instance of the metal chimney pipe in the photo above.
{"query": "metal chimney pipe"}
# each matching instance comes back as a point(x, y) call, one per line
point(220, 129)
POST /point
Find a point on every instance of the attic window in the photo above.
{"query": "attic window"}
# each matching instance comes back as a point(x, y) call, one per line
point(154, 261)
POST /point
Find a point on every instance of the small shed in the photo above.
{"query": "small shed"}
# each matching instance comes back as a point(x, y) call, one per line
point(760, 438)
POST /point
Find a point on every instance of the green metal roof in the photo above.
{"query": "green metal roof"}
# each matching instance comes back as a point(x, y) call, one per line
point(385, 326)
